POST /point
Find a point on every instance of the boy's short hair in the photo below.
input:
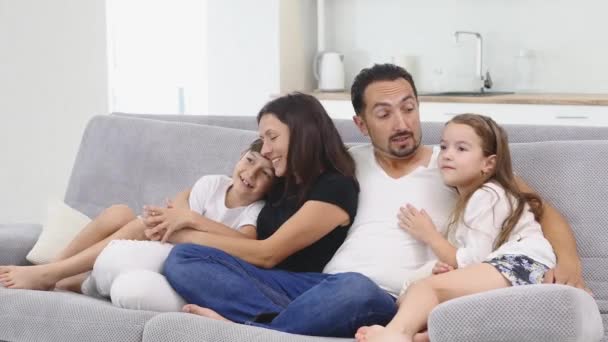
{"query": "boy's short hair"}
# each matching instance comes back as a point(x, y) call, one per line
point(256, 146)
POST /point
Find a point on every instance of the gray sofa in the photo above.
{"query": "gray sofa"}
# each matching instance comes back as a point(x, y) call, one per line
point(141, 159)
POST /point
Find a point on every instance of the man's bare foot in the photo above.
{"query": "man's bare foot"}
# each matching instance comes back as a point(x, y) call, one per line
point(422, 337)
point(27, 277)
point(205, 312)
point(380, 334)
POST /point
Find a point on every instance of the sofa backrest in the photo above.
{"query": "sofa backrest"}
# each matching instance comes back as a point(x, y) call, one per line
point(431, 131)
point(573, 177)
point(139, 161)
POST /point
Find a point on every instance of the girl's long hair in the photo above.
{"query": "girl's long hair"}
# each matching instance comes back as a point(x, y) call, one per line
point(315, 146)
point(494, 141)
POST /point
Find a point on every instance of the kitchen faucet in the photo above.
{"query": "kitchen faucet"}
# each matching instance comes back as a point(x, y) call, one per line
point(485, 80)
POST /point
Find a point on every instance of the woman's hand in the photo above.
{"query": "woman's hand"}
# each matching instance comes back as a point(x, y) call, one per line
point(162, 222)
point(417, 223)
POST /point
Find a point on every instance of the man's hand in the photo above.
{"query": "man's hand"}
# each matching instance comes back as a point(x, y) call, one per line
point(417, 223)
point(567, 273)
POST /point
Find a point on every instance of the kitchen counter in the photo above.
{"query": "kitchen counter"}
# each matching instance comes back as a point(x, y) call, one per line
point(527, 98)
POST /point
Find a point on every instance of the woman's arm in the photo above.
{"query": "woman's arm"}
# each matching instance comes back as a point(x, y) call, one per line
point(181, 200)
point(556, 229)
point(309, 224)
point(167, 221)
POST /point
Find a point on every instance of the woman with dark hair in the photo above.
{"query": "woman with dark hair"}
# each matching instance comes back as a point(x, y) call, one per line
point(266, 282)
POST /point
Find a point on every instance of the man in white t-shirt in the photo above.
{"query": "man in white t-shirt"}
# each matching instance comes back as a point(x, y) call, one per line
point(394, 170)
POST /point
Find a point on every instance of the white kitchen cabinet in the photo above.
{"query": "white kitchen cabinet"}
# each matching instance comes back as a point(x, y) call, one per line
point(567, 115)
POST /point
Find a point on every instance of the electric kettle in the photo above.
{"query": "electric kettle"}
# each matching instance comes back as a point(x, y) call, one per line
point(328, 68)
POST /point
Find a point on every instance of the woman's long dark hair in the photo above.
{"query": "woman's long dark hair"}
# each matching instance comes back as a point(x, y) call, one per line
point(315, 146)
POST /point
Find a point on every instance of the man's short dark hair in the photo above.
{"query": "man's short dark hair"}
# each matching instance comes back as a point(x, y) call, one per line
point(379, 72)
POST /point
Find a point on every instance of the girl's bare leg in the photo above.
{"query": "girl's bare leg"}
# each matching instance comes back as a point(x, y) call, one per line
point(423, 296)
point(44, 277)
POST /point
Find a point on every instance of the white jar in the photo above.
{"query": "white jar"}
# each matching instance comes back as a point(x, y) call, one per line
point(524, 70)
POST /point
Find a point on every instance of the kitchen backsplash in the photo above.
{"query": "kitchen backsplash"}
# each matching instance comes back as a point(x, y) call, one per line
point(529, 45)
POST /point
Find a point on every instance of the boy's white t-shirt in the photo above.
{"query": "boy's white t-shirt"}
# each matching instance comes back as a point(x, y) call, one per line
point(208, 198)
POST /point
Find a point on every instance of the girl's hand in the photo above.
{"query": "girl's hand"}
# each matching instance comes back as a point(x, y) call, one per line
point(417, 223)
point(165, 221)
point(442, 267)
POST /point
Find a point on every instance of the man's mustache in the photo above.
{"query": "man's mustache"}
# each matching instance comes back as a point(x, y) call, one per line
point(404, 134)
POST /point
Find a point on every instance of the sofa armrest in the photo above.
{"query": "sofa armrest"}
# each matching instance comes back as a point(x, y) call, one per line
point(182, 327)
point(521, 313)
point(16, 240)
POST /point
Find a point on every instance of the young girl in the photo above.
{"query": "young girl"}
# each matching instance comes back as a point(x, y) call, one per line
point(216, 204)
point(496, 240)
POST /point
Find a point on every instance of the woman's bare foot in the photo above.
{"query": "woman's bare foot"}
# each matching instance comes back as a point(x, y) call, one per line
point(27, 277)
point(380, 334)
point(205, 312)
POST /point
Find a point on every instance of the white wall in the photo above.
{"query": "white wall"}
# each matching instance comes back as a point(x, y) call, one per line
point(569, 39)
point(158, 56)
point(52, 80)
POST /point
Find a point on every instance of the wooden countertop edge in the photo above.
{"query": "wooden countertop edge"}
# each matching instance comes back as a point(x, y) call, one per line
point(530, 98)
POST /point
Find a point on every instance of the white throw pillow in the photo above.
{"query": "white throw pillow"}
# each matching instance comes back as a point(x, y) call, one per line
point(62, 224)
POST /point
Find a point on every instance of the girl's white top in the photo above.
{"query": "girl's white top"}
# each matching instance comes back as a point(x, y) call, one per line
point(483, 217)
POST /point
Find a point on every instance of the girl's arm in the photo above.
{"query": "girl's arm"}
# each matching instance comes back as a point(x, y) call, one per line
point(309, 224)
point(483, 217)
point(556, 229)
point(419, 224)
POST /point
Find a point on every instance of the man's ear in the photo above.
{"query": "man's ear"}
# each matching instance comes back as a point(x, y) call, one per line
point(489, 164)
point(360, 124)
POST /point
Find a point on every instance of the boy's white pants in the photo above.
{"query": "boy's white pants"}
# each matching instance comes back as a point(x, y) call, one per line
point(129, 272)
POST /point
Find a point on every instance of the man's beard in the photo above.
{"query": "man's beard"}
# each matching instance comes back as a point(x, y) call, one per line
point(405, 151)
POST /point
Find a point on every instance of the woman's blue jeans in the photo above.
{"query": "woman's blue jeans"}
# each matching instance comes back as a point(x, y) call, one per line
point(300, 303)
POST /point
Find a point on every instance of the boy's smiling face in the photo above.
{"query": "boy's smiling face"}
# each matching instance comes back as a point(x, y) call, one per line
point(253, 176)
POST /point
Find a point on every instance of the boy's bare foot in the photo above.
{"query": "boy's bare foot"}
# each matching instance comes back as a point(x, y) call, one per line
point(27, 277)
point(422, 337)
point(205, 312)
point(380, 334)
point(72, 284)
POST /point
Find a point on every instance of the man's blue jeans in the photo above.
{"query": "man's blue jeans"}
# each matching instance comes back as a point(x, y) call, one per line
point(301, 303)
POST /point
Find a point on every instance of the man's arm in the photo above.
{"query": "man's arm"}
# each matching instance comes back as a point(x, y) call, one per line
point(556, 229)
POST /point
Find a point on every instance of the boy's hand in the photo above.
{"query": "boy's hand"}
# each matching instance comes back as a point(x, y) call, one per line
point(165, 221)
point(442, 267)
point(417, 223)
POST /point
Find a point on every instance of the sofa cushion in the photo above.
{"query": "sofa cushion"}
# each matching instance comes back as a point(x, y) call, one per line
point(60, 316)
point(532, 313)
point(182, 327)
point(62, 224)
point(137, 161)
point(571, 175)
